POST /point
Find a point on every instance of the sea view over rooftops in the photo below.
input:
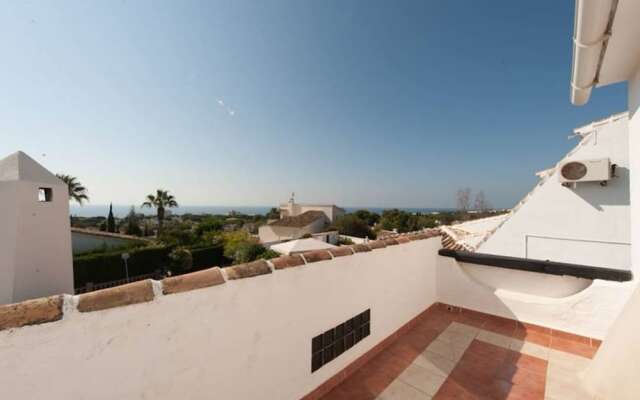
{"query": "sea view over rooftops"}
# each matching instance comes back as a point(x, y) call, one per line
point(94, 210)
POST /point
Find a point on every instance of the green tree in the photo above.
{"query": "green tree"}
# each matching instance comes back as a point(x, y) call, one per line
point(178, 234)
point(160, 201)
point(351, 225)
point(111, 221)
point(132, 223)
point(77, 192)
point(274, 213)
point(367, 216)
point(210, 224)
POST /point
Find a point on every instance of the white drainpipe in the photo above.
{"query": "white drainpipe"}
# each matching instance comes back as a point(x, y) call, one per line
point(589, 39)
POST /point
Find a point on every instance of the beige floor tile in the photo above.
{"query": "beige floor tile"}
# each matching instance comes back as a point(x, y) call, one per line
point(559, 373)
point(556, 389)
point(446, 350)
point(464, 329)
point(435, 363)
point(568, 361)
point(530, 349)
point(456, 338)
point(422, 379)
point(494, 338)
point(399, 390)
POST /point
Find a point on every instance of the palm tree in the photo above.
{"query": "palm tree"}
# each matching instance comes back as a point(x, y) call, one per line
point(161, 200)
point(77, 192)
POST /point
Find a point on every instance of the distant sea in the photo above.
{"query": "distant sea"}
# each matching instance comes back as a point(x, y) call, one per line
point(94, 210)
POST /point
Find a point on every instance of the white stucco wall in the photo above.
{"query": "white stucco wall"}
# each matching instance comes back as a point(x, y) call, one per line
point(614, 372)
point(246, 339)
point(588, 224)
point(36, 253)
point(83, 242)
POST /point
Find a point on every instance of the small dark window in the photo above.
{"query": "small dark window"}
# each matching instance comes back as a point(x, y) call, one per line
point(45, 195)
point(335, 341)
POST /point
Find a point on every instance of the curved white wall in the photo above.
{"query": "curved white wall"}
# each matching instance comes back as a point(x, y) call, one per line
point(523, 296)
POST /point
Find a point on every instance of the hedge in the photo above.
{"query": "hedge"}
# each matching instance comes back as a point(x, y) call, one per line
point(106, 267)
point(206, 257)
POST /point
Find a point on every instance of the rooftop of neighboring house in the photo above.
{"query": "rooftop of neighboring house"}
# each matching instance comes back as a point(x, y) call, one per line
point(299, 221)
point(301, 245)
point(284, 205)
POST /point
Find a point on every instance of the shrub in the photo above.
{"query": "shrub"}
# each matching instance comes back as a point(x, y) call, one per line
point(247, 252)
point(181, 260)
point(268, 255)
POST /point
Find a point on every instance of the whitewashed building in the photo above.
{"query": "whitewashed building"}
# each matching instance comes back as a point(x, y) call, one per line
point(35, 236)
point(293, 209)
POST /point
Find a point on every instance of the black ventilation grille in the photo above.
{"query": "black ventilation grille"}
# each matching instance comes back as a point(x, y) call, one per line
point(329, 345)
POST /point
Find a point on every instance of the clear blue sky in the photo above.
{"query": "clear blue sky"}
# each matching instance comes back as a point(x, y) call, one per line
point(358, 103)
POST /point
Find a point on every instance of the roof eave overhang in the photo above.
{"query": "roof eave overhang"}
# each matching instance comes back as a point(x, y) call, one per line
point(592, 29)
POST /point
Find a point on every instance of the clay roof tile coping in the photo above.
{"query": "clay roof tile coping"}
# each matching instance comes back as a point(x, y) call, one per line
point(360, 248)
point(283, 262)
point(377, 244)
point(131, 293)
point(341, 251)
point(316, 255)
point(248, 270)
point(31, 312)
point(194, 280)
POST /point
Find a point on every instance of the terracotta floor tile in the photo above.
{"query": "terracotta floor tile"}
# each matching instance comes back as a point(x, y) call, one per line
point(530, 363)
point(533, 328)
point(518, 376)
point(427, 331)
point(573, 347)
point(570, 336)
point(542, 339)
point(500, 325)
point(390, 363)
point(470, 319)
point(487, 350)
point(349, 391)
point(453, 390)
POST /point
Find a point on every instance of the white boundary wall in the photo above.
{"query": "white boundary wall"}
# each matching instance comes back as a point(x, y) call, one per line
point(246, 339)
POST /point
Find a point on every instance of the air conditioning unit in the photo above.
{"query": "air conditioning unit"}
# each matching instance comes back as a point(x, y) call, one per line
point(595, 170)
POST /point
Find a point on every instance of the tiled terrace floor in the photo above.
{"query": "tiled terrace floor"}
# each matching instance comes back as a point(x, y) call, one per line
point(462, 354)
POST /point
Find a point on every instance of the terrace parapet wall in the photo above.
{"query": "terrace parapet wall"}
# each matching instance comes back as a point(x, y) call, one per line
point(52, 309)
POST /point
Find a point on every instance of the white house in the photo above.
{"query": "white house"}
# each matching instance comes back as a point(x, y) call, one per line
point(289, 228)
point(293, 209)
point(35, 236)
